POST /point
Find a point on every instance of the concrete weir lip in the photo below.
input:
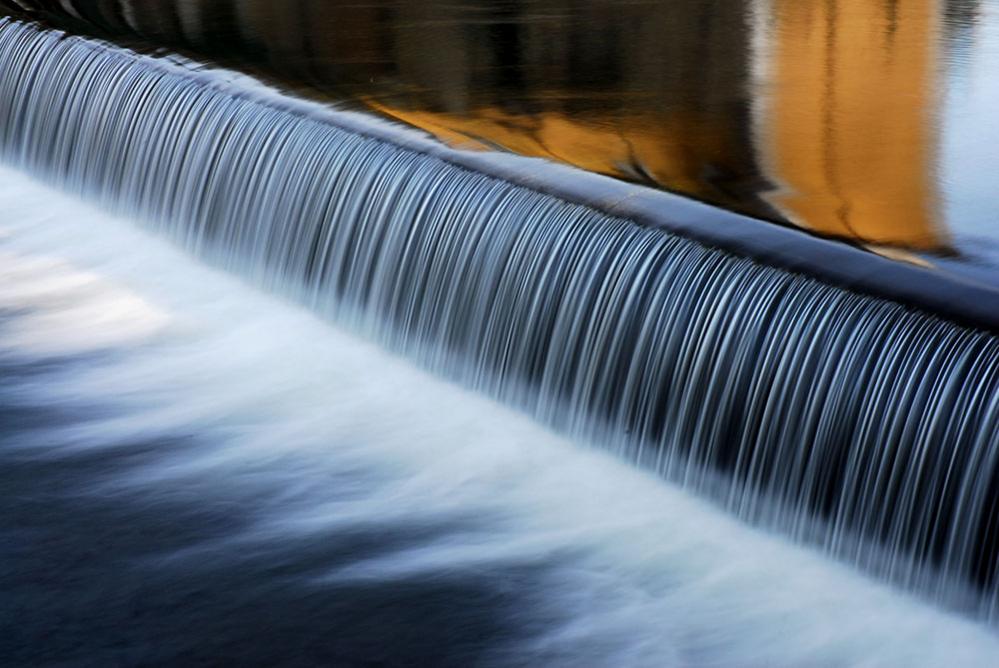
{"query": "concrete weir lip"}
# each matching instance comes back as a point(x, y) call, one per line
point(946, 294)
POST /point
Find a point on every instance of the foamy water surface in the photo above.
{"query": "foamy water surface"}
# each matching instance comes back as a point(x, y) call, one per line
point(191, 469)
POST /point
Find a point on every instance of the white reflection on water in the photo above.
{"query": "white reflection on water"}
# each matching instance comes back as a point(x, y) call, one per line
point(322, 434)
point(970, 138)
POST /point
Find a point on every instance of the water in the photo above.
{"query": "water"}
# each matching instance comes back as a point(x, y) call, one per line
point(853, 424)
point(870, 121)
point(195, 472)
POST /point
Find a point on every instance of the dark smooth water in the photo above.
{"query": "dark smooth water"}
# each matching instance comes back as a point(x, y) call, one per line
point(869, 121)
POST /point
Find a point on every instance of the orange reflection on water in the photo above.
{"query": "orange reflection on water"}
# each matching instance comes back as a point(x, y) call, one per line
point(666, 151)
point(850, 132)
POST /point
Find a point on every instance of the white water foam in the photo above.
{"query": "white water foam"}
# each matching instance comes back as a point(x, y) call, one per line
point(651, 576)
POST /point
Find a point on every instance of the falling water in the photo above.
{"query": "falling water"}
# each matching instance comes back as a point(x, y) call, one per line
point(854, 423)
point(195, 472)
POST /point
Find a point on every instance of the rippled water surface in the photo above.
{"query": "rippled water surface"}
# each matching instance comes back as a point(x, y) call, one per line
point(869, 121)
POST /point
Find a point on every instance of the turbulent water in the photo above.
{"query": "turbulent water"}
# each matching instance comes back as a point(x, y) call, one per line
point(193, 471)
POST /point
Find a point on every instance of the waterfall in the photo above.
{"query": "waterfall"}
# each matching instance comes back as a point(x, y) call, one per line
point(862, 425)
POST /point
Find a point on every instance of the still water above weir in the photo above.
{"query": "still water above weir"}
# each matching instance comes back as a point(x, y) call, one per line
point(866, 121)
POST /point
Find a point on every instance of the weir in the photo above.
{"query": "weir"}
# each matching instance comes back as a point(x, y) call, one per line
point(846, 401)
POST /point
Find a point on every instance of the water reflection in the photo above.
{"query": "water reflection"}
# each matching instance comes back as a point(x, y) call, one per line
point(828, 114)
point(850, 133)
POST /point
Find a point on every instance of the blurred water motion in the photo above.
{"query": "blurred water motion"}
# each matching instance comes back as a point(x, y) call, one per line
point(192, 470)
point(196, 474)
point(855, 119)
point(782, 396)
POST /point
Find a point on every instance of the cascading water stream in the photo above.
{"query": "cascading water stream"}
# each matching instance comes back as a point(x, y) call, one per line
point(861, 425)
point(193, 471)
